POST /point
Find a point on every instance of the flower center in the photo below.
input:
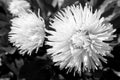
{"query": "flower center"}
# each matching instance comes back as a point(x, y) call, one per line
point(80, 40)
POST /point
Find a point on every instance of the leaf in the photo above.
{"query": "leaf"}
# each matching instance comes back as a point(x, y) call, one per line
point(9, 49)
point(117, 73)
point(3, 31)
point(110, 9)
point(105, 4)
point(19, 63)
point(93, 2)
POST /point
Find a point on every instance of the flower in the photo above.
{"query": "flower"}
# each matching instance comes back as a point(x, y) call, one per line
point(27, 32)
point(78, 40)
point(16, 7)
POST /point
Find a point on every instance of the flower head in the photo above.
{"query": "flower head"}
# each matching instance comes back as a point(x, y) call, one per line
point(27, 32)
point(78, 38)
point(16, 7)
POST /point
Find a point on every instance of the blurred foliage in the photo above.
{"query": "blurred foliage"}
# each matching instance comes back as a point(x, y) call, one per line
point(40, 67)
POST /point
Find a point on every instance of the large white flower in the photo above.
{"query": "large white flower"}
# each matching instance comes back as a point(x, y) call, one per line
point(27, 32)
point(78, 39)
point(16, 7)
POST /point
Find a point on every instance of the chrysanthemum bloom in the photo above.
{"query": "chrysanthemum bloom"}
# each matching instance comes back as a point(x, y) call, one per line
point(16, 7)
point(78, 40)
point(27, 32)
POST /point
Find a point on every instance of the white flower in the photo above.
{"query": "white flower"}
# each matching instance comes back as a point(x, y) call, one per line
point(27, 32)
point(78, 39)
point(16, 7)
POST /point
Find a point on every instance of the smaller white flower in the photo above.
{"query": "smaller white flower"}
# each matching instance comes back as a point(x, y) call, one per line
point(27, 32)
point(16, 7)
